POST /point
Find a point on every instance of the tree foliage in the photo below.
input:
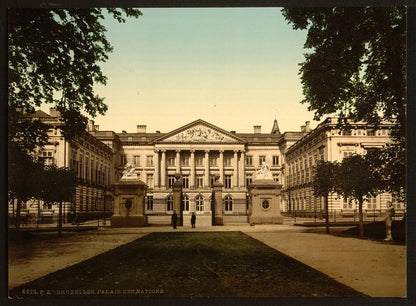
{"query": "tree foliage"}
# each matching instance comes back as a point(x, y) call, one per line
point(53, 57)
point(325, 177)
point(356, 62)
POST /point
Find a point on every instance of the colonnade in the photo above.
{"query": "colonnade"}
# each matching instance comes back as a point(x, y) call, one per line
point(237, 165)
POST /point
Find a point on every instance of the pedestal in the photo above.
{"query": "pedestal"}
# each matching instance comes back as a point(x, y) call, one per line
point(265, 198)
point(218, 210)
point(129, 204)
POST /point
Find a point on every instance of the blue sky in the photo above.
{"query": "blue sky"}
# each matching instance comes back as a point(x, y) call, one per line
point(233, 67)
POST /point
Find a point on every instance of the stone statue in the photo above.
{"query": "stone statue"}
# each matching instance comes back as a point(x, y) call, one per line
point(129, 172)
point(264, 172)
point(389, 220)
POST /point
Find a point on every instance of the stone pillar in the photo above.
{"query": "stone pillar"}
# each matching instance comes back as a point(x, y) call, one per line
point(178, 161)
point(177, 198)
point(241, 170)
point(217, 209)
point(163, 169)
point(221, 166)
point(192, 176)
point(206, 172)
point(129, 198)
point(235, 169)
point(156, 178)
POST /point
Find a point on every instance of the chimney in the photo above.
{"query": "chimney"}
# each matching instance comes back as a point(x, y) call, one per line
point(307, 126)
point(124, 132)
point(257, 129)
point(232, 132)
point(302, 128)
point(90, 127)
point(54, 113)
point(141, 129)
point(158, 132)
point(96, 127)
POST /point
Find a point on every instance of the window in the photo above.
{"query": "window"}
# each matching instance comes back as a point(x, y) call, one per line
point(227, 161)
point(213, 161)
point(249, 160)
point(372, 203)
point(149, 160)
point(171, 180)
point(276, 177)
point(249, 179)
point(129, 139)
point(275, 160)
point(199, 202)
point(149, 180)
point(185, 161)
point(346, 154)
point(227, 181)
point(371, 133)
point(171, 161)
point(265, 204)
point(136, 159)
point(185, 203)
point(169, 203)
point(122, 160)
point(262, 159)
point(346, 132)
point(199, 181)
point(199, 161)
point(149, 202)
point(228, 203)
point(185, 181)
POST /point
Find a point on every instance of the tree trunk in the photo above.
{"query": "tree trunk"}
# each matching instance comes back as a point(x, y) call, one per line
point(326, 215)
point(360, 217)
point(60, 220)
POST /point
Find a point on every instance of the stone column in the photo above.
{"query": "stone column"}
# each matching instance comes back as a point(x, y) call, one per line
point(221, 166)
point(235, 169)
point(177, 199)
point(156, 178)
point(206, 172)
point(178, 161)
point(192, 176)
point(163, 169)
point(241, 170)
point(217, 209)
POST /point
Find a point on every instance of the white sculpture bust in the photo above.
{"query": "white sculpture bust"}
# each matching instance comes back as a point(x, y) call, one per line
point(264, 172)
point(129, 173)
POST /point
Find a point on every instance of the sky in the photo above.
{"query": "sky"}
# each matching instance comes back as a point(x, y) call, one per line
point(232, 67)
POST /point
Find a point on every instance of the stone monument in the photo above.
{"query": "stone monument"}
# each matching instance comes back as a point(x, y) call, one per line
point(217, 209)
point(177, 198)
point(264, 198)
point(129, 195)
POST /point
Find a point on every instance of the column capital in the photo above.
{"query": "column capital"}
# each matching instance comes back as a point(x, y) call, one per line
point(236, 151)
point(207, 151)
point(192, 150)
point(221, 151)
point(157, 150)
point(163, 150)
point(178, 150)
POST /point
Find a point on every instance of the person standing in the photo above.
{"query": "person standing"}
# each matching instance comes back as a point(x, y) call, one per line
point(193, 220)
point(174, 219)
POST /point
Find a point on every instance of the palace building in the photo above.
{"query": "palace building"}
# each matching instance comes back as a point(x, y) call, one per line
point(199, 152)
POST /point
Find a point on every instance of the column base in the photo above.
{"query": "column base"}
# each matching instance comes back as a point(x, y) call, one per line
point(218, 221)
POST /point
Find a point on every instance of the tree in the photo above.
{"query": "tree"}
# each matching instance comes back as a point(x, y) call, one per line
point(53, 59)
point(356, 68)
point(356, 181)
point(58, 185)
point(356, 64)
point(324, 183)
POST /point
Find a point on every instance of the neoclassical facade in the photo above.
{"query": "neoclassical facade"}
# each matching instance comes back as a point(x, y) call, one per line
point(328, 142)
point(199, 151)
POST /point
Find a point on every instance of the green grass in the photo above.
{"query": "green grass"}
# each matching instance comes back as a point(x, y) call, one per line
point(203, 264)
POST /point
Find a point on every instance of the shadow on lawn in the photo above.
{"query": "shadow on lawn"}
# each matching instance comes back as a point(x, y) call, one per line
point(203, 264)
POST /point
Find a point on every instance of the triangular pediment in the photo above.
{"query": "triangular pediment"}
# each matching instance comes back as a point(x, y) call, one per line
point(200, 131)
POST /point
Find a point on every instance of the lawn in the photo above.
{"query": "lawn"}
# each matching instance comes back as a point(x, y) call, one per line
point(202, 264)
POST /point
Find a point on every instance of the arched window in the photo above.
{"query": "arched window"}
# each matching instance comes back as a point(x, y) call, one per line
point(228, 203)
point(185, 203)
point(169, 203)
point(199, 201)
